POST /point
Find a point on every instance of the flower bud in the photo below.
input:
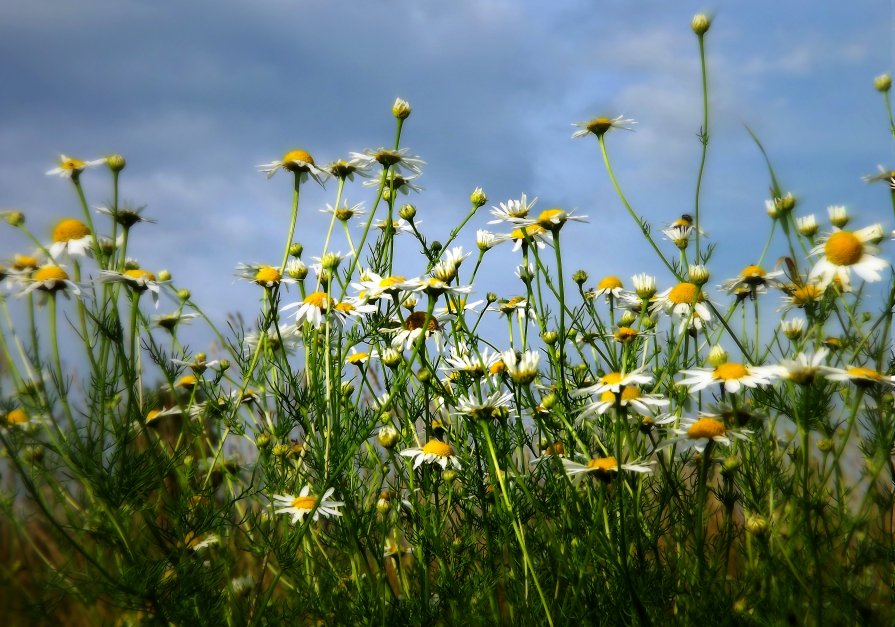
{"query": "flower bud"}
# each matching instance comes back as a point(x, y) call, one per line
point(550, 337)
point(401, 109)
point(700, 24)
point(14, 218)
point(116, 163)
point(838, 215)
point(262, 440)
point(699, 274)
point(388, 436)
point(436, 247)
point(756, 525)
point(424, 375)
point(491, 297)
point(296, 249)
point(392, 358)
point(793, 328)
point(224, 365)
point(347, 389)
point(449, 475)
point(330, 261)
point(478, 197)
point(281, 450)
point(883, 83)
point(825, 445)
point(644, 285)
point(549, 401)
point(580, 277)
point(383, 504)
point(164, 275)
point(717, 355)
point(297, 269)
point(183, 294)
point(807, 225)
point(407, 212)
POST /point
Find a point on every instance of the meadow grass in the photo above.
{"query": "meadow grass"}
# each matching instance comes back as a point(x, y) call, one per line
point(378, 447)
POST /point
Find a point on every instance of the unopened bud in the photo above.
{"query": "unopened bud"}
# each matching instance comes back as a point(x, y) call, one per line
point(628, 318)
point(699, 274)
point(401, 109)
point(436, 247)
point(825, 445)
point(164, 275)
point(491, 297)
point(550, 337)
point(838, 215)
point(14, 218)
point(392, 358)
point(424, 375)
point(407, 212)
point(347, 389)
point(717, 356)
point(478, 197)
point(296, 249)
point(224, 365)
point(700, 24)
point(116, 163)
point(756, 525)
point(580, 277)
point(183, 294)
point(262, 440)
point(883, 82)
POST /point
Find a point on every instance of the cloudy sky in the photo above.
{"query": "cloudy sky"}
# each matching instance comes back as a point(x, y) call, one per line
point(196, 94)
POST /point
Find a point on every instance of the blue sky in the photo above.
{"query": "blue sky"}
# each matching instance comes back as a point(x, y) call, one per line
point(196, 94)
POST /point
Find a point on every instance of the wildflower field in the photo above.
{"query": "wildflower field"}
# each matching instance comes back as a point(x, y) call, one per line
point(381, 443)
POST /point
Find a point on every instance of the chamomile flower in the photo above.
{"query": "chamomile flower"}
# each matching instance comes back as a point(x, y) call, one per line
point(357, 358)
point(261, 274)
point(509, 306)
point(599, 126)
point(396, 182)
point(698, 432)
point(50, 279)
point(346, 170)
point(514, 211)
point(398, 226)
point(807, 225)
point(71, 168)
point(136, 279)
point(495, 407)
point(312, 309)
point(300, 162)
point(412, 328)
point(343, 212)
point(792, 328)
point(679, 235)
point(644, 285)
point(486, 240)
point(458, 304)
point(531, 234)
point(685, 301)
point(753, 278)
point(349, 308)
point(396, 160)
point(475, 364)
point(329, 262)
point(844, 251)
point(631, 396)
point(599, 467)
point(858, 375)
point(614, 382)
point(609, 286)
point(731, 376)
point(554, 219)
point(454, 256)
point(433, 452)
point(285, 336)
point(72, 237)
point(195, 542)
point(305, 503)
point(373, 286)
point(802, 296)
point(126, 216)
point(522, 367)
point(803, 368)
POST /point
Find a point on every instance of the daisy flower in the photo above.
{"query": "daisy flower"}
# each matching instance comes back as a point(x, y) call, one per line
point(514, 211)
point(807, 225)
point(858, 375)
point(679, 235)
point(456, 305)
point(609, 286)
point(473, 364)
point(343, 212)
point(72, 237)
point(516, 304)
point(792, 328)
point(600, 126)
point(342, 169)
point(311, 310)
point(373, 286)
point(522, 367)
point(71, 168)
point(803, 368)
point(802, 296)
point(398, 226)
point(50, 279)
point(631, 396)
point(614, 382)
point(496, 406)
point(351, 308)
point(397, 160)
point(731, 376)
point(531, 234)
point(644, 285)
point(754, 278)
point(599, 467)
point(406, 335)
point(300, 506)
point(261, 274)
point(697, 433)
point(195, 542)
point(844, 251)
point(357, 358)
point(299, 162)
point(433, 452)
point(685, 301)
point(435, 287)
point(486, 240)
point(169, 322)
point(137, 279)
point(396, 182)
point(285, 336)
point(126, 216)
point(554, 219)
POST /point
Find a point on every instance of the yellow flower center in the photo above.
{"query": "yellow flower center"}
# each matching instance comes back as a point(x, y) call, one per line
point(391, 281)
point(610, 283)
point(316, 299)
point(728, 372)
point(804, 295)
point(629, 393)
point(438, 448)
point(292, 156)
point(753, 275)
point(140, 274)
point(16, 417)
point(387, 157)
point(50, 273)
point(345, 307)
point(684, 294)
point(625, 334)
point(527, 232)
point(70, 229)
point(550, 218)
point(152, 415)
point(598, 126)
point(417, 319)
point(611, 378)
point(844, 248)
point(497, 367)
point(864, 373)
point(304, 502)
point(72, 164)
point(23, 262)
point(187, 381)
point(604, 464)
point(267, 274)
point(705, 428)
point(357, 358)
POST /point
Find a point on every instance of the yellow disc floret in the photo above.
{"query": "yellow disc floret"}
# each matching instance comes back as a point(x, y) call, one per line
point(604, 464)
point(267, 274)
point(599, 126)
point(610, 283)
point(293, 156)
point(625, 335)
point(304, 502)
point(438, 448)
point(843, 248)
point(138, 274)
point(705, 428)
point(316, 299)
point(70, 229)
point(731, 371)
point(684, 294)
point(16, 417)
point(50, 273)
